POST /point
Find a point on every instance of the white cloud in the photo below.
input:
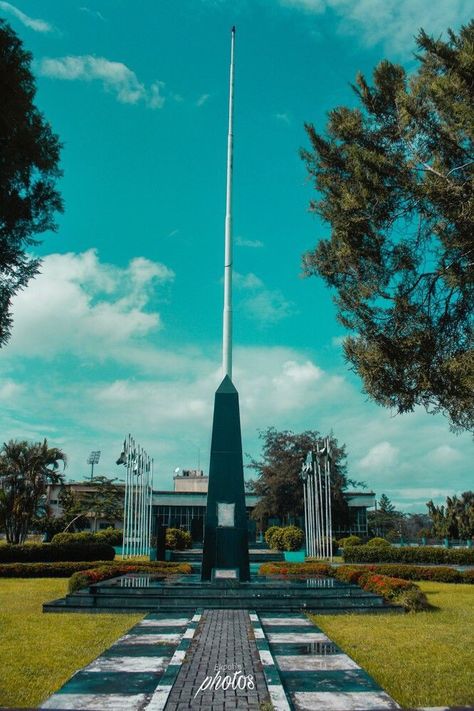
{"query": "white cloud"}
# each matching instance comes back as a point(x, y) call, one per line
point(202, 100)
point(33, 24)
point(252, 243)
point(116, 77)
point(93, 13)
point(380, 457)
point(392, 22)
point(266, 306)
point(283, 117)
point(77, 303)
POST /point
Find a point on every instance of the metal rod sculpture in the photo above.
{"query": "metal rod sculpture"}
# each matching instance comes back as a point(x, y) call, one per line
point(316, 477)
point(138, 499)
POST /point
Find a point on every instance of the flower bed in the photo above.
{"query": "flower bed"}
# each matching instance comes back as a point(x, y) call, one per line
point(91, 576)
point(51, 552)
point(296, 569)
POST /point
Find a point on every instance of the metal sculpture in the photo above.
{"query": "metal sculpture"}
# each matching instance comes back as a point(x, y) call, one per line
point(138, 499)
point(316, 477)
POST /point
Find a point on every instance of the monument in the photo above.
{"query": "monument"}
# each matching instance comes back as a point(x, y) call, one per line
point(225, 551)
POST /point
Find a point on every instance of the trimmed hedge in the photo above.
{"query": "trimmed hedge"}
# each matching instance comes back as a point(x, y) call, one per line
point(92, 576)
point(418, 554)
point(284, 538)
point(51, 553)
point(349, 541)
point(47, 570)
point(296, 569)
point(112, 536)
point(177, 539)
point(378, 542)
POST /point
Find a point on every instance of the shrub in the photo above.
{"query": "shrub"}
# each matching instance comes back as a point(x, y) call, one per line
point(378, 542)
point(82, 537)
point(51, 552)
point(292, 538)
point(47, 570)
point(278, 539)
point(349, 541)
point(309, 570)
point(418, 554)
point(112, 536)
point(400, 592)
point(269, 535)
point(177, 539)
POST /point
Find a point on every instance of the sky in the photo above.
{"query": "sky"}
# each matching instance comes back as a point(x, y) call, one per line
point(122, 330)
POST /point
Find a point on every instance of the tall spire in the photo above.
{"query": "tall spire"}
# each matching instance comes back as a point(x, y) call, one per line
point(227, 325)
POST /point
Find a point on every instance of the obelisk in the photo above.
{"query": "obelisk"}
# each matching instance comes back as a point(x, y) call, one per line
point(225, 551)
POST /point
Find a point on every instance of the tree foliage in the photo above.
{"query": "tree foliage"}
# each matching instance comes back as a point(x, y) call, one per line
point(455, 519)
point(278, 483)
point(25, 471)
point(103, 499)
point(29, 158)
point(385, 519)
point(395, 182)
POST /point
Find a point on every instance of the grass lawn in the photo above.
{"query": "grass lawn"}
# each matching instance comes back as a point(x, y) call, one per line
point(420, 658)
point(39, 652)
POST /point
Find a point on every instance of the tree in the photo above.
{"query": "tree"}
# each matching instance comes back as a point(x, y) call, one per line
point(385, 518)
point(103, 499)
point(279, 485)
point(29, 158)
point(456, 519)
point(395, 182)
point(25, 471)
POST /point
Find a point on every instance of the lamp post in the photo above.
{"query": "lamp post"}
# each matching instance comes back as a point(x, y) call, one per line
point(93, 459)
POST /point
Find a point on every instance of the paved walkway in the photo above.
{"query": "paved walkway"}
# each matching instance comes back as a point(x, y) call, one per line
point(219, 660)
point(222, 669)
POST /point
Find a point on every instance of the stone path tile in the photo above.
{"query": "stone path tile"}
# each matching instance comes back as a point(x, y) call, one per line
point(222, 669)
point(315, 673)
point(127, 674)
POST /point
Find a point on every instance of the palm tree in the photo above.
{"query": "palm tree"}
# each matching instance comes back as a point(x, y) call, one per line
point(25, 470)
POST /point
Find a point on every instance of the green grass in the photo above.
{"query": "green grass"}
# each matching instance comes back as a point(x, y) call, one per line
point(420, 658)
point(38, 652)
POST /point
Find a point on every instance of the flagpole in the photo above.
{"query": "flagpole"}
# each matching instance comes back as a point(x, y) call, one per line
point(227, 317)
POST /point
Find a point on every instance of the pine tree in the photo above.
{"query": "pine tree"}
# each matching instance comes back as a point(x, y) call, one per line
point(395, 183)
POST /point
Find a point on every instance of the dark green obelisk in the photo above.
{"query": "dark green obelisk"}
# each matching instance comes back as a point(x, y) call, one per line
point(225, 536)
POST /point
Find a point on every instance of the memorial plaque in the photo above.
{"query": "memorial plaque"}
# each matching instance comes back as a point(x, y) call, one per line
point(226, 574)
point(226, 514)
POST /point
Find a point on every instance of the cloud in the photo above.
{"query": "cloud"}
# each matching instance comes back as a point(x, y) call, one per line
point(202, 100)
point(77, 302)
point(33, 24)
point(391, 22)
point(93, 13)
point(380, 457)
point(266, 306)
point(252, 243)
point(283, 117)
point(116, 78)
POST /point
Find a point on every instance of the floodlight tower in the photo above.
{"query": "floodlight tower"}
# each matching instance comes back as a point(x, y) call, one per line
point(93, 459)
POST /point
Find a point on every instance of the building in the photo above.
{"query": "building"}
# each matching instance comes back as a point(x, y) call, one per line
point(185, 506)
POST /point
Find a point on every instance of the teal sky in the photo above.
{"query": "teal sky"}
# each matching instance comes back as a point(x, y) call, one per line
point(122, 331)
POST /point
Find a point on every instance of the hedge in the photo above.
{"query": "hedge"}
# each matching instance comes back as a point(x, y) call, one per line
point(296, 569)
point(47, 570)
point(112, 536)
point(92, 576)
point(395, 590)
point(50, 552)
point(418, 554)
point(177, 539)
point(284, 538)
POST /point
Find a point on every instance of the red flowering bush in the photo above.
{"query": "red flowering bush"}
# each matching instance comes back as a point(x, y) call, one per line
point(400, 592)
point(304, 570)
point(105, 572)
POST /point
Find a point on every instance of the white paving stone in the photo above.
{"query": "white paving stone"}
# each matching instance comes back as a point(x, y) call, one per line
point(189, 634)
point(150, 638)
point(96, 702)
point(253, 617)
point(179, 622)
point(266, 657)
point(278, 698)
point(178, 656)
point(196, 617)
point(296, 637)
point(258, 632)
point(159, 698)
point(340, 701)
point(287, 621)
point(314, 662)
point(127, 664)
